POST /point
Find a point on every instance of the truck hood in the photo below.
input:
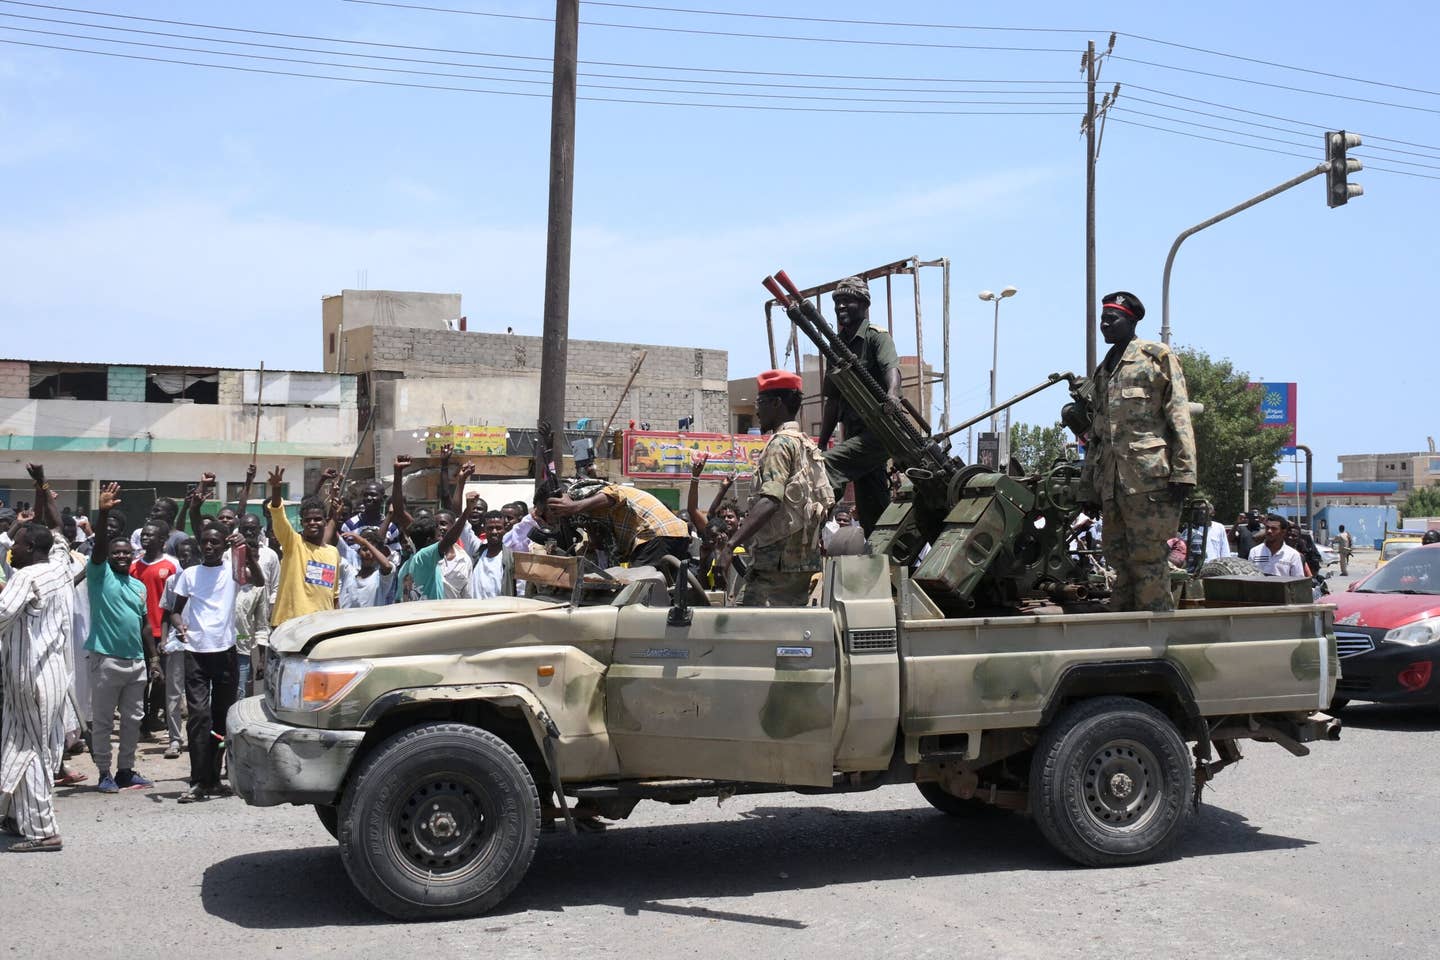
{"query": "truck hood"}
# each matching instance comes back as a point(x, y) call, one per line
point(293, 636)
point(1384, 611)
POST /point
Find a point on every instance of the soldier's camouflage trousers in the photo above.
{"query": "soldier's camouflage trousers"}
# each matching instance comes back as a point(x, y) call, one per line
point(861, 459)
point(1136, 528)
point(775, 588)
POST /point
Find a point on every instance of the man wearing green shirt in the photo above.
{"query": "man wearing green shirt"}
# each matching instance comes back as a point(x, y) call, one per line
point(860, 458)
point(121, 649)
point(419, 576)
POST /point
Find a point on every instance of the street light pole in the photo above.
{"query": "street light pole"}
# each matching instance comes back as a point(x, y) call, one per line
point(988, 296)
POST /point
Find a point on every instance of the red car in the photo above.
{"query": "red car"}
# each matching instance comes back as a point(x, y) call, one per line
point(1387, 629)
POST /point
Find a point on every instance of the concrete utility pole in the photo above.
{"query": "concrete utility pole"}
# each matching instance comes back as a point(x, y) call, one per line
point(1090, 66)
point(556, 332)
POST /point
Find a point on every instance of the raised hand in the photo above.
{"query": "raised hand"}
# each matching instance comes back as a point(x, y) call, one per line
point(402, 462)
point(328, 475)
point(446, 452)
point(110, 496)
point(37, 473)
point(276, 478)
point(467, 470)
point(24, 516)
point(697, 464)
point(250, 474)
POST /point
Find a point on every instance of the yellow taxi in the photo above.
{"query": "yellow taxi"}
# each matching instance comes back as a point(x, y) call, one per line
point(1395, 543)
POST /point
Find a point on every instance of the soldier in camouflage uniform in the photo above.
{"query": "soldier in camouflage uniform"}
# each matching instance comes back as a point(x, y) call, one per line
point(781, 531)
point(1140, 463)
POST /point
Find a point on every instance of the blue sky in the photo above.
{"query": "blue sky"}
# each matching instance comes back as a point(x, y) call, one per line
point(165, 213)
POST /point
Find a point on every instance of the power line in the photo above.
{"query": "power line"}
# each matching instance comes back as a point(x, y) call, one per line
point(1260, 83)
point(715, 33)
point(519, 93)
point(1253, 146)
point(543, 83)
point(454, 63)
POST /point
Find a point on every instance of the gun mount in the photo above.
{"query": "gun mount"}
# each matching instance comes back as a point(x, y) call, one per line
point(993, 538)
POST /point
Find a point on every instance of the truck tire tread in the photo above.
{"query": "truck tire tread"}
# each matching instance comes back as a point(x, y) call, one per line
point(1058, 807)
point(363, 821)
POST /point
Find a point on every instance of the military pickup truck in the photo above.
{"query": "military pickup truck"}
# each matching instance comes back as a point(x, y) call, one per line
point(434, 739)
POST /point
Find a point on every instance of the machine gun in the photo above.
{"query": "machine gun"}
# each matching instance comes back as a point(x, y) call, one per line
point(563, 535)
point(994, 539)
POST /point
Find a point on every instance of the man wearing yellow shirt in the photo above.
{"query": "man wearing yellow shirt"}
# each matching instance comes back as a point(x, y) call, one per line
point(309, 567)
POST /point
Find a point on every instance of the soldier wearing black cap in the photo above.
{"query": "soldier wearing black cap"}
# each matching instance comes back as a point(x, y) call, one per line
point(1140, 462)
point(860, 458)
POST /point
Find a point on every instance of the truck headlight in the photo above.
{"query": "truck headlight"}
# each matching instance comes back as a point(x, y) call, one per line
point(1416, 634)
point(313, 684)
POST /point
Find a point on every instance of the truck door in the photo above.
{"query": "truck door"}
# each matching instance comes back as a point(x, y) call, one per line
point(738, 694)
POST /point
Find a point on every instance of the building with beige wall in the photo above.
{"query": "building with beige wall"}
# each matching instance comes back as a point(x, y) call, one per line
point(155, 429)
point(1408, 471)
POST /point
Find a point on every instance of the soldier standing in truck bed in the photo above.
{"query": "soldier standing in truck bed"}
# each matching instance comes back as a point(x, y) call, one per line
point(1140, 465)
point(781, 531)
point(860, 458)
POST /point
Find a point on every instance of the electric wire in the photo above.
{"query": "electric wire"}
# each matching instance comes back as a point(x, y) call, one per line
point(1253, 146)
point(455, 63)
point(715, 33)
point(519, 93)
point(545, 83)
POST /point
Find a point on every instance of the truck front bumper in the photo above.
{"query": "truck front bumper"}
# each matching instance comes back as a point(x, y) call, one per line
point(273, 762)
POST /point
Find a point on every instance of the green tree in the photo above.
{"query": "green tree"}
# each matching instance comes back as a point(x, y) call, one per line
point(1037, 447)
point(1422, 502)
point(1228, 432)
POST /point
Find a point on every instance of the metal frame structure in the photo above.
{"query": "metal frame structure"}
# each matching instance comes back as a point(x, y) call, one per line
point(911, 266)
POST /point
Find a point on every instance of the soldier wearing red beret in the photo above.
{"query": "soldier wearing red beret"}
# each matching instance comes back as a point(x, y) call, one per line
point(781, 532)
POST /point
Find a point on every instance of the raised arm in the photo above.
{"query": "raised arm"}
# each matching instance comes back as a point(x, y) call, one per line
point(445, 453)
point(398, 516)
point(327, 476)
point(245, 491)
point(692, 499)
point(45, 511)
point(720, 495)
point(457, 504)
point(197, 497)
point(109, 500)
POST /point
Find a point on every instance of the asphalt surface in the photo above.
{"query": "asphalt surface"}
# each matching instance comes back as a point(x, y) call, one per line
point(1329, 855)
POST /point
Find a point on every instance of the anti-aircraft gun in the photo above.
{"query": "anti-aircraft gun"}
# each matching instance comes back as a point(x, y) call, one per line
point(995, 539)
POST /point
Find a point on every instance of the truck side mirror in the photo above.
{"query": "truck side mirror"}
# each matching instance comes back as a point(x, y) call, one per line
point(680, 615)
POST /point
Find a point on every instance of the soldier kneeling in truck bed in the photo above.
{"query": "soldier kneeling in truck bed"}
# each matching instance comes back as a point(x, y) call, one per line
point(781, 532)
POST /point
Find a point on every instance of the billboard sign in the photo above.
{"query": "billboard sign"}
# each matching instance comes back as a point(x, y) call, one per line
point(659, 455)
point(1277, 409)
point(471, 441)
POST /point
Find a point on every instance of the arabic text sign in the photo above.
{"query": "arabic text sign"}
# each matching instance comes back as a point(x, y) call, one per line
point(1277, 409)
point(474, 441)
point(658, 454)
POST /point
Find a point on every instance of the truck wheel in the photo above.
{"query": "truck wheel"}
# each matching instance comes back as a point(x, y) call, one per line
point(951, 805)
point(441, 821)
point(1111, 782)
point(329, 818)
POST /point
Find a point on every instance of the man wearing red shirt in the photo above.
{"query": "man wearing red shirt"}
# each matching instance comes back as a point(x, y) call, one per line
point(153, 568)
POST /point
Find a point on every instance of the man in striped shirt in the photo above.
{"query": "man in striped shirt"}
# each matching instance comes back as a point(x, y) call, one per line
point(36, 609)
point(645, 529)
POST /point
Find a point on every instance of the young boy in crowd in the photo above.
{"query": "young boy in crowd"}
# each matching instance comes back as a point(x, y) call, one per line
point(309, 567)
point(254, 605)
point(371, 581)
point(204, 616)
point(121, 651)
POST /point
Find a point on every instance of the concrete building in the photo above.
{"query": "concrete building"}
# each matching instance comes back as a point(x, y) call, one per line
point(155, 429)
point(1408, 471)
point(419, 366)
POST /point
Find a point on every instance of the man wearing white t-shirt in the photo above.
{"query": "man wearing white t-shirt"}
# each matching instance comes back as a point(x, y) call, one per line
point(204, 617)
point(370, 581)
point(1273, 556)
point(493, 574)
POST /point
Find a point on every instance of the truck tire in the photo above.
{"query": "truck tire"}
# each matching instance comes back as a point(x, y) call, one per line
point(1111, 782)
point(329, 818)
point(951, 805)
point(1228, 567)
point(441, 821)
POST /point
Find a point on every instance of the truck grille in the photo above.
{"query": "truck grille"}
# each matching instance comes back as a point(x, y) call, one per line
point(1353, 644)
point(872, 641)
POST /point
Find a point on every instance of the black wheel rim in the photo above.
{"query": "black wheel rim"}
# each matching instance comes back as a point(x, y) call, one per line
point(444, 828)
point(1123, 785)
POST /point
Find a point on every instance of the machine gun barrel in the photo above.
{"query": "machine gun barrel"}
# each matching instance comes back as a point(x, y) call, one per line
point(1053, 379)
point(865, 396)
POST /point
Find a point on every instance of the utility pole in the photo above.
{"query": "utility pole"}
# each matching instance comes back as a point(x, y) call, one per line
point(556, 333)
point(1090, 66)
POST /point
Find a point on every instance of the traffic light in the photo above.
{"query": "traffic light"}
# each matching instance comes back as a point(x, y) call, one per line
point(1338, 188)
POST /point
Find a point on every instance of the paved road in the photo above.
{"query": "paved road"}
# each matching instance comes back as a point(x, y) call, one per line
point(1332, 855)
